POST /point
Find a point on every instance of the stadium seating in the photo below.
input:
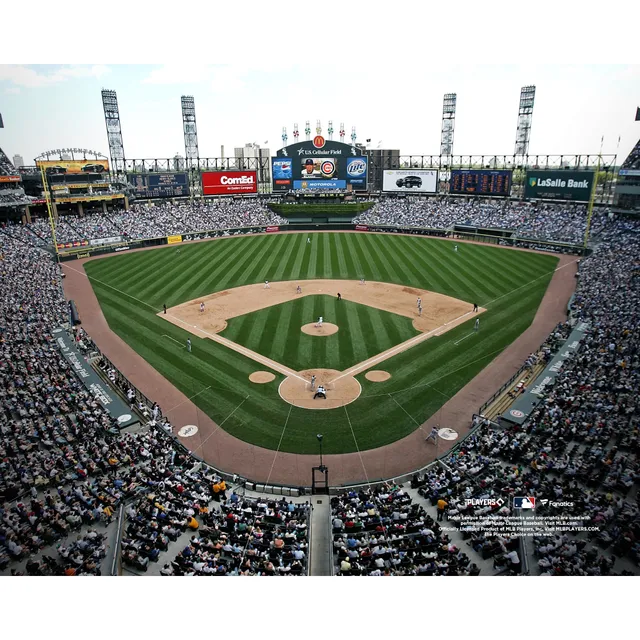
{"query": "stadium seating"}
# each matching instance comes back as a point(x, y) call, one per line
point(65, 469)
point(556, 222)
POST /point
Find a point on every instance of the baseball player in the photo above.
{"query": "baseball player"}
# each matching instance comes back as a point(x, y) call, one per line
point(267, 285)
point(319, 323)
point(298, 289)
point(164, 306)
point(433, 435)
point(313, 383)
point(475, 307)
point(419, 302)
point(420, 309)
point(308, 240)
point(476, 326)
point(202, 307)
point(339, 297)
point(189, 345)
point(362, 281)
point(455, 248)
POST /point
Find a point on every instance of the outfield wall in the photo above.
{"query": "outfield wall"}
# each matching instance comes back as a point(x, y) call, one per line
point(473, 236)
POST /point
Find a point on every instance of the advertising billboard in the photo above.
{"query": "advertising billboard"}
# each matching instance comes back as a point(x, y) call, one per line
point(65, 167)
point(410, 180)
point(559, 185)
point(229, 182)
point(480, 182)
point(9, 178)
point(282, 172)
point(319, 184)
point(319, 164)
point(159, 185)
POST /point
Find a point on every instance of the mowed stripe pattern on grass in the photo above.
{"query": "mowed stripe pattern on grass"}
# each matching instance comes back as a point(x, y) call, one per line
point(423, 378)
point(363, 332)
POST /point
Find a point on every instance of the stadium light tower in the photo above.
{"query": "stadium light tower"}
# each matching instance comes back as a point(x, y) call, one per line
point(190, 131)
point(342, 132)
point(114, 132)
point(525, 115)
point(448, 125)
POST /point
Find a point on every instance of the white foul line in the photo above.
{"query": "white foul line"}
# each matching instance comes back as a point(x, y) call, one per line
point(403, 346)
point(164, 335)
point(461, 339)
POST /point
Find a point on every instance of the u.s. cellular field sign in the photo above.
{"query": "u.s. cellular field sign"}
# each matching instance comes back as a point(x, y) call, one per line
point(559, 185)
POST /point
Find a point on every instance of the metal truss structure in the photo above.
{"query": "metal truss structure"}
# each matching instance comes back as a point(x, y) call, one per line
point(448, 124)
point(525, 115)
point(114, 132)
point(377, 164)
point(190, 130)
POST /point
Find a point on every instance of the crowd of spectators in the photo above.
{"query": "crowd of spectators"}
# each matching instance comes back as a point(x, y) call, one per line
point(65, 468)
point(580, 446)
point(147, 221)
point(247, 536)
point(380, 531)
point(542, 221)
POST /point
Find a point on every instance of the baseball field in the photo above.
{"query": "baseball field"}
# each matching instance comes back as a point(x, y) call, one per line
point(254, 348)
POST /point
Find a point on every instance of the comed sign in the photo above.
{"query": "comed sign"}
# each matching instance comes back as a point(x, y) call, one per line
point(559, 185)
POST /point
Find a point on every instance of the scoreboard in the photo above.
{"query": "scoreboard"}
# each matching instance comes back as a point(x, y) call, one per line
point(480, 182)
point(159, 185)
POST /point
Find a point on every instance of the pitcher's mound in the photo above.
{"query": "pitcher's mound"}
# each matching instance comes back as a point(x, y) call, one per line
point(377, 376)
point(326, 329)
point(297, 391)
point(261, 377)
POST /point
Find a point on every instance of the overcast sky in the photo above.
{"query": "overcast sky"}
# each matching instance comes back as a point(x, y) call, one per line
point(383, 72)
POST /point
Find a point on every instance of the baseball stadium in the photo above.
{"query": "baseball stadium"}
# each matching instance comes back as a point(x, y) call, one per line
point(331, 360)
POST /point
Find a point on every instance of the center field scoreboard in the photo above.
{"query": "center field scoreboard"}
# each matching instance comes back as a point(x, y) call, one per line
point(159, 185)
point(484, 182)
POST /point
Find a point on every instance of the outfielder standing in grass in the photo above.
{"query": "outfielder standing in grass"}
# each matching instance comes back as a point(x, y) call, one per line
point(189, 345)
point(477, 324)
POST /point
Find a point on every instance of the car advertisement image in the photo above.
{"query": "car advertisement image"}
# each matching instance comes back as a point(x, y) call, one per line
point(410, 180)
point(229, 182)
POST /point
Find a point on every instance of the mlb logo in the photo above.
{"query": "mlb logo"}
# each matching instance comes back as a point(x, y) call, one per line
point(524, 502)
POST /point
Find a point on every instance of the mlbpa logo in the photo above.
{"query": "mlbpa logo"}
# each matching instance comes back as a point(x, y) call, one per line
point(318, 142)
point(524, 502)
point(328, 168)
point(356, 168)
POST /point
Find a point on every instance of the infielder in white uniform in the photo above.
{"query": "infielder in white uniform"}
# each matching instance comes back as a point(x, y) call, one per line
point(267, 285)
point(319, 323)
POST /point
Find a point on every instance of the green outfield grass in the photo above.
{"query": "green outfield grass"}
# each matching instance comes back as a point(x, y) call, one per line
point(132, 288)
point(363, 333)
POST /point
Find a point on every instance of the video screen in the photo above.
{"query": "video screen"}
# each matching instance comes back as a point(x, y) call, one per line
point(319, 168)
